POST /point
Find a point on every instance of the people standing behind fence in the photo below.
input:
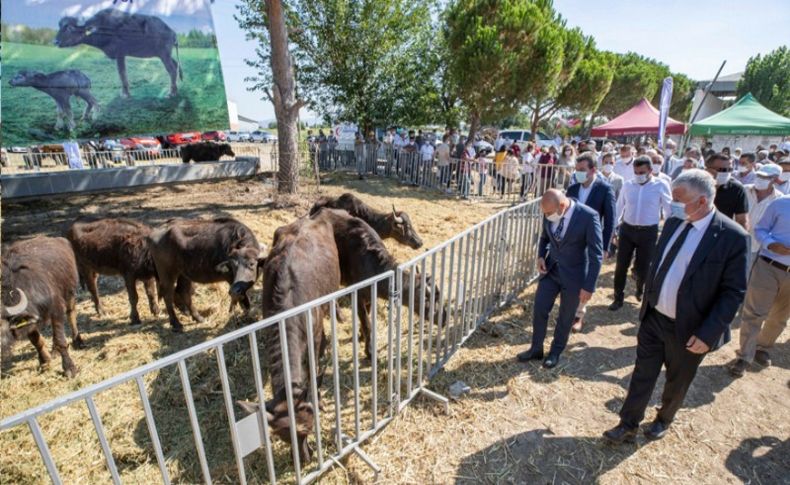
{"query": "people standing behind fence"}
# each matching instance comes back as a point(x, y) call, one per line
point(443, 162)
point(624, 164)
point(593, 191)
point(496, 170)
point(528, 162)
point(730, 195)
point(509, 172)
point(695, 285)
point(639, 210)
point(565, 164)
point(482, 170)
point(465, 169)
point(426, 161)
point(547, 162)
point(607, 173)
point(766, 308)
point(569, 260)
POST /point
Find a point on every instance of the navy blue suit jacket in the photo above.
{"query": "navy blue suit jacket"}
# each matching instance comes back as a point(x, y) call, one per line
point(714, 284)
point(601, 200)
point(577, 256)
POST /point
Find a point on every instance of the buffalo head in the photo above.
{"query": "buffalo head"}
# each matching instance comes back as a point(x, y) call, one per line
point(226, 150)
point(8, 313)
point(27, 78)
point(70, 33)
point(242, 269)
point(279, 422)
point(402, 229)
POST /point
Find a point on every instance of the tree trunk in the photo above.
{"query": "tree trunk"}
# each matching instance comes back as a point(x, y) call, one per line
point(474, 125)
point(283, 95)
point(534, 125)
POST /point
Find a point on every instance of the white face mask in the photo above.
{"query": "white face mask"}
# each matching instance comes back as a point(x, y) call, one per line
point(607, 169)
point(761, 183)
point(641, 179)
point(656, 169)
point(743, 169)
point(580, 177)
point(678, 209)
point(722, 178)
point(554, 217)
point(784, 177)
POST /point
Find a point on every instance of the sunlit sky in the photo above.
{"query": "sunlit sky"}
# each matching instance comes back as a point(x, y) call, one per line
point(691, 36)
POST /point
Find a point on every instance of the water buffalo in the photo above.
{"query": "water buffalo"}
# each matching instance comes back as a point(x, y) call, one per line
point(115, 247)
point(396, 224)
point(119, 35)
point(206, 151)
point(362, 256)
point(60, 86)
point(39, 288)
point(204, 251)
point(302, 265)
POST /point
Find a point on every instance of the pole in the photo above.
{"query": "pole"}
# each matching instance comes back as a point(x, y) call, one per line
point(687, 138)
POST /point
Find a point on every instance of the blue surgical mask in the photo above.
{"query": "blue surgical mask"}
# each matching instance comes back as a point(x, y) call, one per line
point(678, 209)
point(580, 176)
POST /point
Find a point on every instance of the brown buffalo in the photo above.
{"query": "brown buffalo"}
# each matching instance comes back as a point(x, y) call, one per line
point(395, 224)
point(302, 265)
point(39, 288)
point(115, 247)
point(204, 251)
point(362, 256)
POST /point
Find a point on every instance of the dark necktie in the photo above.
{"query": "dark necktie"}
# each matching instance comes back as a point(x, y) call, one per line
point(661, 274)
point(558, 231)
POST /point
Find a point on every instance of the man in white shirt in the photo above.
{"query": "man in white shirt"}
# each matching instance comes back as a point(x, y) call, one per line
point(745, 169)
point(696, 282)
point(658, 162)
point(783, 184)
point(426, 161)
point(623, 166)
point(638, 214)
point(671, 162)
point(443, 161)
point(760, 195)
point(607, 172)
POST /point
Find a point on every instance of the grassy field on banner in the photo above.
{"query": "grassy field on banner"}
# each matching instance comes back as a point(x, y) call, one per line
point(29, 115)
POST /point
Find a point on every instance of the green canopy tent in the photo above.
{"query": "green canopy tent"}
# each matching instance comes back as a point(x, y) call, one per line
point(746, 117)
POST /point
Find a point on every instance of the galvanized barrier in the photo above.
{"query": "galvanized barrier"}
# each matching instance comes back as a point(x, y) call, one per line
point(433, 304)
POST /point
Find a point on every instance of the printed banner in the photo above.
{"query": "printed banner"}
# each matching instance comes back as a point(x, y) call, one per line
point(99, 69)
point(663, 109)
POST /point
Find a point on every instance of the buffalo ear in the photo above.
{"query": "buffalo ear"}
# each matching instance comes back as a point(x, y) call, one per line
point(223, 267)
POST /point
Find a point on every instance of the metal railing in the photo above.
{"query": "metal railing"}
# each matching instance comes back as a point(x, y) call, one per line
point(435, 302)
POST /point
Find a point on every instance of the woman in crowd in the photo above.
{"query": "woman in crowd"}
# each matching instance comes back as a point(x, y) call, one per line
point(528, 161)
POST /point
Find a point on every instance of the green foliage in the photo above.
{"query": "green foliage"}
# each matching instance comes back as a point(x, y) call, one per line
point(589, 84)
point(23, 34)
point(682, 94)
point(635, 77)
point(198, 39)
point(272, 125)
point(768, 79)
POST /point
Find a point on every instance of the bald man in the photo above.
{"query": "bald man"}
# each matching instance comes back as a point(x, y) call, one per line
point(569, 260)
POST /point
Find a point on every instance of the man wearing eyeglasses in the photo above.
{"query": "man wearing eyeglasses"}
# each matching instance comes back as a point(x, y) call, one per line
point(731, 199)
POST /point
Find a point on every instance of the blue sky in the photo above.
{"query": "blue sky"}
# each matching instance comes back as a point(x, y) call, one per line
point(691, 36)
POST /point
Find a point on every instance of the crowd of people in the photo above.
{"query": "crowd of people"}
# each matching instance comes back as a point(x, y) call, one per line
point(706, 237)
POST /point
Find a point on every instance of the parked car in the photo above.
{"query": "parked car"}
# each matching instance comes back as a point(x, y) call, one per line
point(214, 136)
point(17, 149)
point(112, 150)
point(238, 136)
point(143, 146)
point(260, 136)
point(521, 137)
point(175, 140)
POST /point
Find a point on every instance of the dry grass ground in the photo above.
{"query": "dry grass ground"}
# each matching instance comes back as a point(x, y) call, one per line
point(114, 347)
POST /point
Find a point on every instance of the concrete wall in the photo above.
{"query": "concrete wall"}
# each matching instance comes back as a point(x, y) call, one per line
point(33, 185)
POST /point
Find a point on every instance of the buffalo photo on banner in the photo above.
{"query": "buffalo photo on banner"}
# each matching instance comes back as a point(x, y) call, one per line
point(89, 69)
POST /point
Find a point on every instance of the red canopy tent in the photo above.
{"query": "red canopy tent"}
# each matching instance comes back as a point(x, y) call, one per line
point(642, 119)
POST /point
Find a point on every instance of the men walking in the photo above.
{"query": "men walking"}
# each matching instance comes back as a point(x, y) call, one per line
point(696, 283)
point(767, 306)
point(623, 166)
point(569, 260)
point(638, 213)
point(607, 173)
point(592, 191)
point(760, 195)
point(730, 195)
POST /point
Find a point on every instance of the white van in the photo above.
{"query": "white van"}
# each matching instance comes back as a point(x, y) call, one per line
point(521, 137)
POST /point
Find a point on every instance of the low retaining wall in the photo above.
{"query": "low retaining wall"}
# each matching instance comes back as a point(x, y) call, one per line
point(47, 184)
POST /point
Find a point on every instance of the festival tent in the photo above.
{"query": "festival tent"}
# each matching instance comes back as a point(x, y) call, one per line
point(745, 117)
point(642, 119)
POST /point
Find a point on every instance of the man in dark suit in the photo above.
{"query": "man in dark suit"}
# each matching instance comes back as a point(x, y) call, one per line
point(594, 192)
point(696, 282)
point(569, 260)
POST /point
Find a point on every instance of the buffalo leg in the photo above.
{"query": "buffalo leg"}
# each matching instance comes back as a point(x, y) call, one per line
point(131, 289)
point(90, 281)
point(363, 307)
point(121, 61)
point(172, 68)
point(184, 290)
point(59, 119)
point(167, 291)
point(61, 346)
point(71, 314)
point(150, 292)
point(69, 115)
point(41, 347)
point(91, 104)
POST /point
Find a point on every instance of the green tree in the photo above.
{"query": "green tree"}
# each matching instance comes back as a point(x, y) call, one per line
point(500, 52)
point(635, 77)
point(768, 79)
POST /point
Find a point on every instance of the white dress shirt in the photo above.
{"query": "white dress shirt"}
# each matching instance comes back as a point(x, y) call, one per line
point(624, 167)
point(756, 211)
point(584, 192)
point(567, 217)
point(668, 295)
point(783, 187)
point(641, 205)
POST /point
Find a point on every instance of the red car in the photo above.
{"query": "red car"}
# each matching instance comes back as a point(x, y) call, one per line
point(178, 139)
point(144, 144)
point(214, 136)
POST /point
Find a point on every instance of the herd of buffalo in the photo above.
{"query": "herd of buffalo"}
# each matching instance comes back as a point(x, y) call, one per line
point(338, 243)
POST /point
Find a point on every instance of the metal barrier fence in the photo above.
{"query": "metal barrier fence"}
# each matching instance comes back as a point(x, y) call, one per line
point(433, 304)
point(470, 179)
point(57, 161)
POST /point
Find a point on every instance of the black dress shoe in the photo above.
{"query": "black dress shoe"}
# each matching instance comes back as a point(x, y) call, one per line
point(656, 430)
point(620, 434)
point(616, 305)
point(763, 358)
point(531, 354)
point(551, 361)
point(638, 295)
